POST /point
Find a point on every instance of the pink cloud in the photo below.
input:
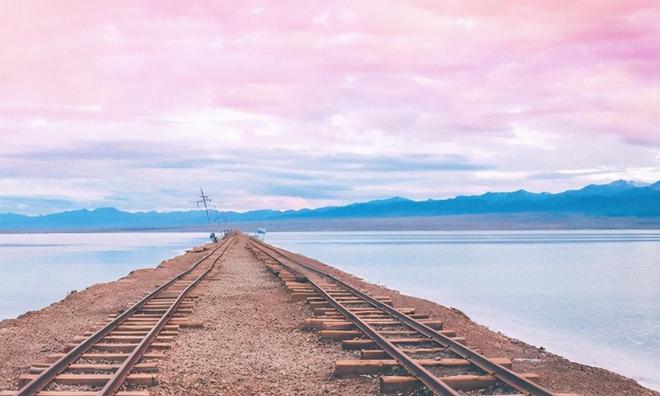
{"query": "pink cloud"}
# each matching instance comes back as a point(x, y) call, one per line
point(451, 77)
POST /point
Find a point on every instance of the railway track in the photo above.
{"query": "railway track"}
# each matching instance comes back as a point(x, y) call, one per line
point(410, 351)
point(121, 357)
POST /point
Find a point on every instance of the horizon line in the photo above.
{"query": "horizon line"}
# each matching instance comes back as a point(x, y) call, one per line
point(634, 182)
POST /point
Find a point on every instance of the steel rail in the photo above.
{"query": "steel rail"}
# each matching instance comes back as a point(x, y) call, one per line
point(48, 375)
point(500, 372)
point(432, 382)
point(122, 373)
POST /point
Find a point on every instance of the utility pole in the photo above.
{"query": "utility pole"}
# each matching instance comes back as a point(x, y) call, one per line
point(204, 200)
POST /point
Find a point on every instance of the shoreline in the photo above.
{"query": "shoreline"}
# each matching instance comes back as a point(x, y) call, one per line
point(556, 372)
point(30, 263)
point(600, 357)
point(523, 221)
point(587, 355)
point(21, 345)
point(552, 367)
point(538, 337)
point(560, 320)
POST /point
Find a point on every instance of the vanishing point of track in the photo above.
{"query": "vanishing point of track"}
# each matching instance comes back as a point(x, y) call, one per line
point(389, 338)
point(122, 351)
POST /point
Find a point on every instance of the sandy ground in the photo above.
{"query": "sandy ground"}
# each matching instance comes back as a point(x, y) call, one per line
point(252, 342)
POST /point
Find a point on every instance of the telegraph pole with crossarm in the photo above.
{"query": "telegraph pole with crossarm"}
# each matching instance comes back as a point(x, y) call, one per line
point(205, 199)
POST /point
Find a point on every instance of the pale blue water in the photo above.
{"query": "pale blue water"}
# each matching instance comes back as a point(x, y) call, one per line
point(39, 269)
point(592, 296)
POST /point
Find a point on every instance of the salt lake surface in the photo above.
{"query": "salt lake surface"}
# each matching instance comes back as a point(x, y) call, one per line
point(591, 296)
point(39, 269)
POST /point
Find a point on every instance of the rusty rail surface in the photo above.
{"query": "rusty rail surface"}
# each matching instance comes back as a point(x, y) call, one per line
point(47, 376)
point(434, 383)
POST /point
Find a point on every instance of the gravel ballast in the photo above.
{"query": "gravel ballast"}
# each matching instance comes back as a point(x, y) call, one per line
point(252, 342)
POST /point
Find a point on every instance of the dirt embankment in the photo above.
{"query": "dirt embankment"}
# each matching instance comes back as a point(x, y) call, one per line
point(35, 334)
point(252, 342)
point(557, 373)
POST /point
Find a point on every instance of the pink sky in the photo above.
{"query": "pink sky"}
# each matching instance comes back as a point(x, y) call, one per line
point(291, 104)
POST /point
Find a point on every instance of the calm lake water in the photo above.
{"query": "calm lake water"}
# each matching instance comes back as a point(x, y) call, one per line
point(591, 296)
point(39, 269)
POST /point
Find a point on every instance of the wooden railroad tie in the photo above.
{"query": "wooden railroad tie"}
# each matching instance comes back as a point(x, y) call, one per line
point(360, 367)
point(342, 324)
point(95, 368)
point(402, 383)
point(368, 354)
point(350, 334)
point(113, 357)
point(125, 347)
point(93, 379)
point(358, 344)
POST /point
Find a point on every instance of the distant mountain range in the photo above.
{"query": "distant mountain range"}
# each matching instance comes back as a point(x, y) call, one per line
point(619, 199)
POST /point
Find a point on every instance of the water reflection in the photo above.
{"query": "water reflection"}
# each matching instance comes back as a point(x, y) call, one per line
point(38, 269)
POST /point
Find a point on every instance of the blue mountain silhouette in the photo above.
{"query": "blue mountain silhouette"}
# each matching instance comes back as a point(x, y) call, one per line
point(617, 199)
